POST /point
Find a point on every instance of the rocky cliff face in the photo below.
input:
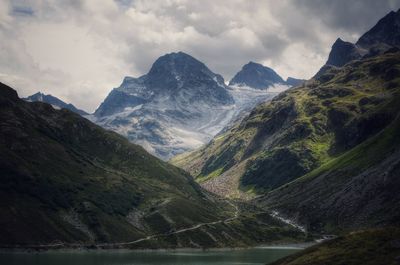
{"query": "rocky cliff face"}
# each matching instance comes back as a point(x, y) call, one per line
point(343, 52)
point(385, 35)
point(385, 32)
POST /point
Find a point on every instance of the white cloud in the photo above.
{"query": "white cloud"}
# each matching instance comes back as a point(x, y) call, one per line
point(79, 49)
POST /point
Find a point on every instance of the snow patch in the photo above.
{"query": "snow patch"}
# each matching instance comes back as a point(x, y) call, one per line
point(278, 216)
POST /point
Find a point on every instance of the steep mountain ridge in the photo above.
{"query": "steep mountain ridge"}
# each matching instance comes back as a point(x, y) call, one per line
point(257, 76)
point(66, 182)
point(55, 102)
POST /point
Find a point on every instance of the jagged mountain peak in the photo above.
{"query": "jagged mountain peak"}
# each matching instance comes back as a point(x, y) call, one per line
point(179, 66)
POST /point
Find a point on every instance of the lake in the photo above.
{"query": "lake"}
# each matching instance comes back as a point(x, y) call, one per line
point(253, 256)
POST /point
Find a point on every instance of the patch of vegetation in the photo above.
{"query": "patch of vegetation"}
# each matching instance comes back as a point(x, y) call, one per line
point(375, 246)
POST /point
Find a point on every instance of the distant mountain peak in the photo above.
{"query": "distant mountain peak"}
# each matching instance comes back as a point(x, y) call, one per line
point(256, 75)
point(54, 101)
point(176, 61)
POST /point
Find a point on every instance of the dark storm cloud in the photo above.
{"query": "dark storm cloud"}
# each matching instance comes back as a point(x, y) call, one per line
point(80, 49)
point(355, 16)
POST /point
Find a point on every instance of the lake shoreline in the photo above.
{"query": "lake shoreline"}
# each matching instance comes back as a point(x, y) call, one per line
point(276, 245)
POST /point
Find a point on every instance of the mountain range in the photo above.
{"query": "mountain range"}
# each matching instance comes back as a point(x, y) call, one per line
point(179, 105)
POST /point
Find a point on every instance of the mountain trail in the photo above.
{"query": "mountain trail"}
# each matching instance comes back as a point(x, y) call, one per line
point(149, 237)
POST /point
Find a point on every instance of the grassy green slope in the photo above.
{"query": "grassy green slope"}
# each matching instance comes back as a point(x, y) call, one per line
point(357, 189)
point(369, 247)
point(303, 128)
point(65, 179)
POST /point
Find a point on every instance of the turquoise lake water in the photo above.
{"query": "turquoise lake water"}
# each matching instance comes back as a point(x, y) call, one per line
point(252, 256)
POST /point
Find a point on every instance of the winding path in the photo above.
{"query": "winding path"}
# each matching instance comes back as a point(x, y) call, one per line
point(194, 227)
point(197, 226)
point(119, 244)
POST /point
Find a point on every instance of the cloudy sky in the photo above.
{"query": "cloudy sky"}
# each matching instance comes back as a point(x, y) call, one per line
point(78, 50)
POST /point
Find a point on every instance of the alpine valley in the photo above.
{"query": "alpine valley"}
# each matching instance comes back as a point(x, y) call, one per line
point(179, 158)
point(66, 182)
